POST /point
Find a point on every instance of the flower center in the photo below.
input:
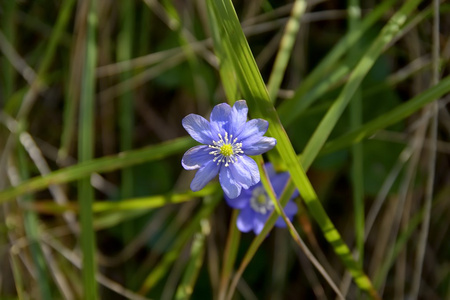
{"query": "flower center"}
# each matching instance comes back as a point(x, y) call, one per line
point(226, 149)
point(260, 202)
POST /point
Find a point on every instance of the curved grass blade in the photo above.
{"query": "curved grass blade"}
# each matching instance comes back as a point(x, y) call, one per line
point(99, 165)
point(254, 90)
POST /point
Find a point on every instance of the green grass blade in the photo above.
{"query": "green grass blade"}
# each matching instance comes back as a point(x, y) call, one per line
point(290, 109)
point(286, 45)
point(229, 257)
point(141, 203)
point(226, 70)
point(395, 115)
point(86, 153)
point(357, 171)
point(328, 122)
point(100, 165)
point(254, 91)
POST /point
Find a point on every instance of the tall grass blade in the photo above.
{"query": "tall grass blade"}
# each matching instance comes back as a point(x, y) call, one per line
point(86, 153)
point(357, 171)
point(286, 46)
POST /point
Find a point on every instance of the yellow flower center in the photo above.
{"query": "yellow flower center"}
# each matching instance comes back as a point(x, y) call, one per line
point(261, 198)
point(226, 150)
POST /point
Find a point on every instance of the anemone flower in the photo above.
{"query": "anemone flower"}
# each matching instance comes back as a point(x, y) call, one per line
point(227, 141)
point(256, 206)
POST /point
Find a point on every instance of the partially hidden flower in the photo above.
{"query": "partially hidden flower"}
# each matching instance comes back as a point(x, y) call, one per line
point(228, 138)
point(256, 206)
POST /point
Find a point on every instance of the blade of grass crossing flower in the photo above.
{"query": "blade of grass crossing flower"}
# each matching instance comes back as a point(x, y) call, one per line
point(395, 115)
point(254, 91)
point(99, 165)
point(186, 286)
point(296, 237)
point(86, 149)
point(182, 237)
point(31, 229)
point(328, 122)
point(290, 109)
point(284, 52)
point(357, 172)
point(257, 241)
point(126, 113)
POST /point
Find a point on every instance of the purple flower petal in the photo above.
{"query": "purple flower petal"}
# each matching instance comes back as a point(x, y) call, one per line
point(196, 157)
point(198, 128)
point(261, 146)
point(253, 131)
point(259, 221)
point(220, 119)
point(279, 182)
point(290, 209)
point(204, 175)
point(280, 222)
point(245, 171)
point(229, 185)
point(238, 117)
point(245, 219)
point(240, 201)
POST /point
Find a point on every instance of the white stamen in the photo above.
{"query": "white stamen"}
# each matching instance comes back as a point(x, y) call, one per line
point(222, 153)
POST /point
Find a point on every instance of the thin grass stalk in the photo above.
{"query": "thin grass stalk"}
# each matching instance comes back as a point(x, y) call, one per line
point(86, 153)
point(141, 203)
point(431, 167)
point(253, 89)
point(229, 256)
point(187, 284)
point(257, 241)
point(286, 46)
point(15, 267)
point(293, 232)
point(357, 168)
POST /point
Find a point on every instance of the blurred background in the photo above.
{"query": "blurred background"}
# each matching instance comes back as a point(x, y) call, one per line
point(92, 94)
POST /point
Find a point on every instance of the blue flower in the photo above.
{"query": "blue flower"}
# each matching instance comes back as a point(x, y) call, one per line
point(228, 138)
point(256, 206)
